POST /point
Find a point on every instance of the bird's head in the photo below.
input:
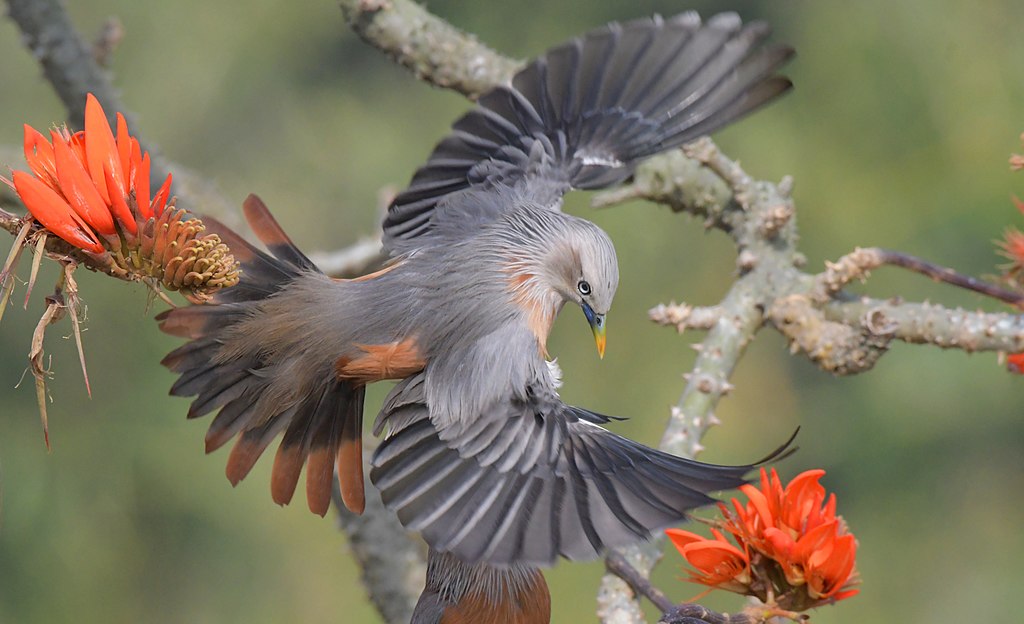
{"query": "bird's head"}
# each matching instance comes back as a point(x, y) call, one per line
point(551, 259)
point(588, 274)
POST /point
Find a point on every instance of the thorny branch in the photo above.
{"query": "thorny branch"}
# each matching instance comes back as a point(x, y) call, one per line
point(393, 567)
point(842, 334)
point(431, 48)
point(858, 263)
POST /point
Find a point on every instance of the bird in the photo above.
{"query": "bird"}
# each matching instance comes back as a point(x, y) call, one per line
point(479, 453)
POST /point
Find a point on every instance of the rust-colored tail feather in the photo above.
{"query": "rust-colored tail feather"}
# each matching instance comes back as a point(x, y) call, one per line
point(319, 479)
point(322, 425)
point(350, 464)
point(285, 475)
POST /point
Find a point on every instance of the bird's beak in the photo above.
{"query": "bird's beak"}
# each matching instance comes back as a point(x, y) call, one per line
point(599, 339)
point(597, 325)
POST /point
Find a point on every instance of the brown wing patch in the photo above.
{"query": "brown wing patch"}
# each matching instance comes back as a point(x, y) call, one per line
point(530, 605)
point(392, 360)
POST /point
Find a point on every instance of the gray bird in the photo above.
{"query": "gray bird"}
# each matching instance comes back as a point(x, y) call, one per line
point(480, 455)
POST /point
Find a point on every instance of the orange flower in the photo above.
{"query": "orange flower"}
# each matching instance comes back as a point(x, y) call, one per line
point(793, 551)
point(1015, 363)
point(717, 563)
point(90, 189)
point(829, 566)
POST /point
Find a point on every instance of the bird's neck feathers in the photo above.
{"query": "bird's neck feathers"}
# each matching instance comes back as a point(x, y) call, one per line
point(533, 250)
point(530, 290)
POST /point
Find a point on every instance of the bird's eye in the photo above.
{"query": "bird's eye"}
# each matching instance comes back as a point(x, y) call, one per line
point(584, 287)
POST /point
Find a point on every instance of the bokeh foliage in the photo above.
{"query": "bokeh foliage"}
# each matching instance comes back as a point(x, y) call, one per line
point(897, 136)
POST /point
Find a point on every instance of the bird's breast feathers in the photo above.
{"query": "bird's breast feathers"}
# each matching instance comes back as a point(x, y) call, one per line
point(483, 378)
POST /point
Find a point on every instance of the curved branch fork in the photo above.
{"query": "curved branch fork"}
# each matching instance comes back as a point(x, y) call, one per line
point(840, 333)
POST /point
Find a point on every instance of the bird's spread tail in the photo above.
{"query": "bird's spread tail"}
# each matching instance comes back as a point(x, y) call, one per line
point(322, 427)
point(584, 113)
point(461, 593)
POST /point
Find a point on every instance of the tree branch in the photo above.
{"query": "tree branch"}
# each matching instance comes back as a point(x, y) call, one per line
point(858, 263)
point(683, 317)
point(617, 565)
point(768, 257)
point(392, 563)
point(65, 56)
point(924, 323)
point(434, 50)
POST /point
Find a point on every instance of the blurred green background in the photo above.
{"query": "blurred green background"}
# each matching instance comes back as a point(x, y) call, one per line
point(897, 136)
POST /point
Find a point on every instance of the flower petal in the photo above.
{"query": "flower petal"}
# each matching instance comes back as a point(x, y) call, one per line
point(100, 148)
point(717, 562)
point(83, 196)
point(802, 499)
point(761, 505)
point(816, 544)
point(681, 538)
point(54, 213)
point(160, 199)
point(141, 179)
point(118, 206)
point(39, 156)
point(828, 575)
point(124, 147)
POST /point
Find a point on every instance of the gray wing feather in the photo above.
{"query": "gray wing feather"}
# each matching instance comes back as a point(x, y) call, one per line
point(532, 481)
point(582, 115)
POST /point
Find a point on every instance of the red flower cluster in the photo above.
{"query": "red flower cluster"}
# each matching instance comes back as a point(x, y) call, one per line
point(1015, 363)
point(85, 187)
point(792, 551)
point(92, 189)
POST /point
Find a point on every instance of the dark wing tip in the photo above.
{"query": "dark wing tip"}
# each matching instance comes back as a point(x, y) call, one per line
point(784, 451)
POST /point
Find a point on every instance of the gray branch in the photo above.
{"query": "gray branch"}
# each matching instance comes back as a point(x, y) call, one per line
point(392, 564)
point(926, 323)
point(434, 50)
point(65, 56)
point(683, 317)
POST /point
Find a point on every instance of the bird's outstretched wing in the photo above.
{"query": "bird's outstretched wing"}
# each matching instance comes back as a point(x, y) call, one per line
point(582, 115)
point(531, 481)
